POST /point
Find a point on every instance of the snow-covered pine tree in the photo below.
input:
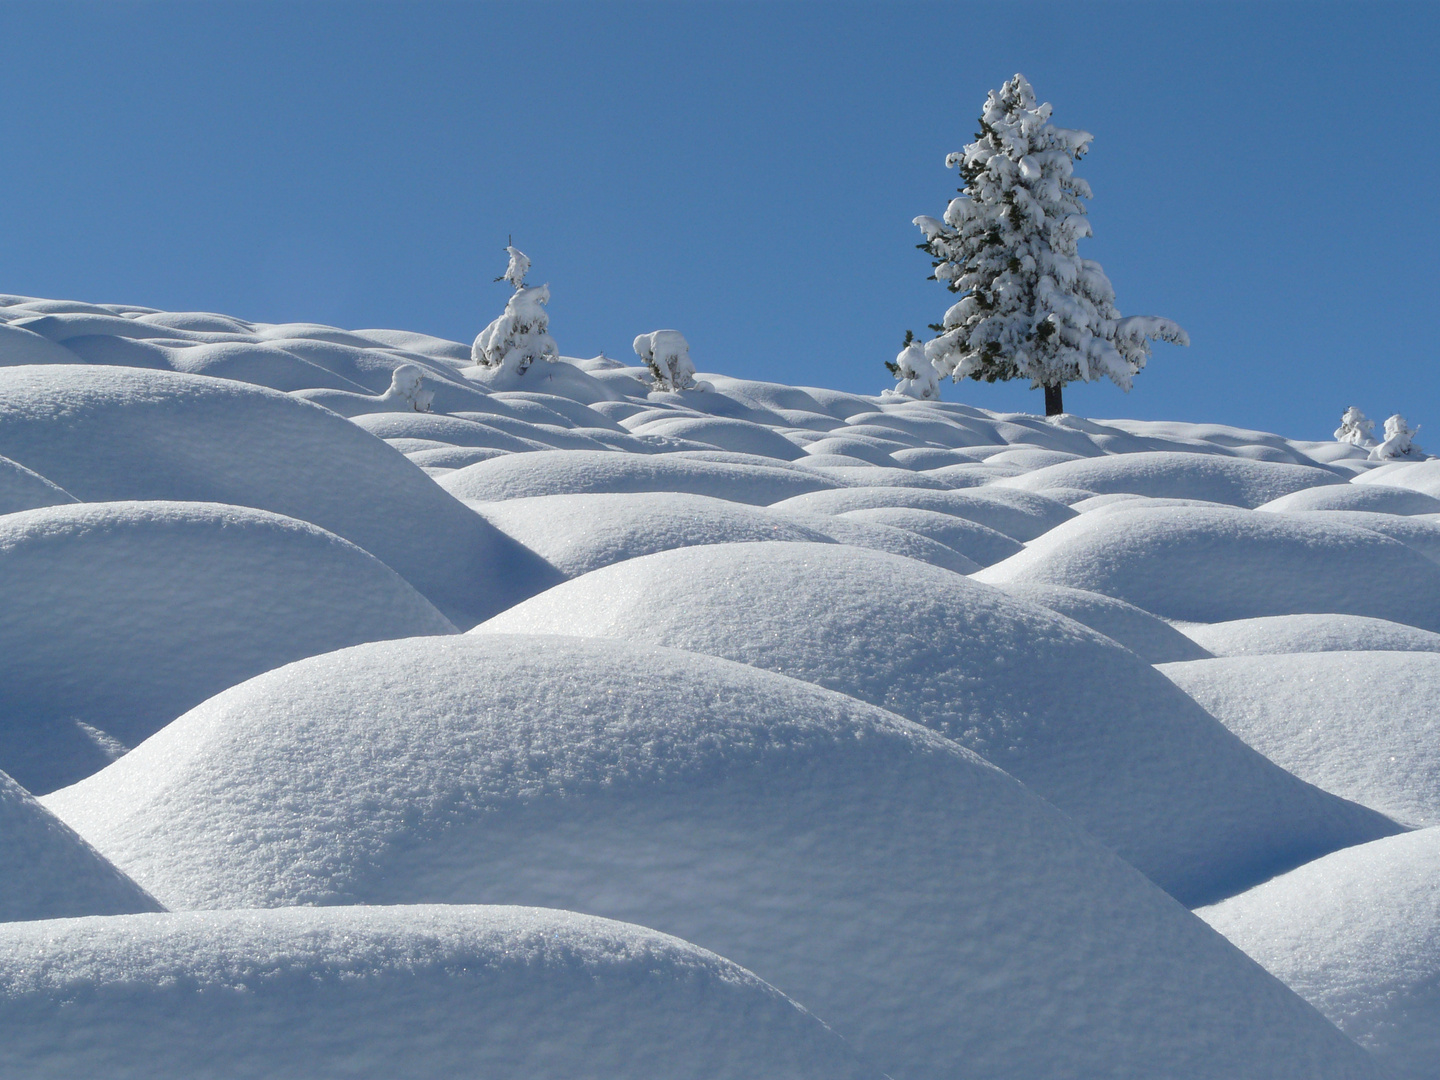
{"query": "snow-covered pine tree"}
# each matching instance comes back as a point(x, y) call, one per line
point(1355, 428)
point(1030, 307)
point(915, 375)
point(520, 336)
point(1399, 442)
point(667, 354)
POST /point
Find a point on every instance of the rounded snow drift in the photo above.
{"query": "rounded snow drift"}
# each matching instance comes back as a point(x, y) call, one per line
point(1153, 640)
point(1360, 724)
point(567, 472)
point(580, 533)
point(1210, 565)
point(917, 899)
point(1237, 481)
point(117, 617)
point(1081, 720)
point(115, 433)
point(48, 872)
point(1307, 633)
point(506, 993)
point(1020, 515)
point(1356, 934)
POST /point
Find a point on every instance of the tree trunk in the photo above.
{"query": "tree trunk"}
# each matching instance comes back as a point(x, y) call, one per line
point(1053, 404)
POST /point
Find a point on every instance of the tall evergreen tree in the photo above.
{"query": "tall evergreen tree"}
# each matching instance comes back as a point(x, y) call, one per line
point(1030, 307)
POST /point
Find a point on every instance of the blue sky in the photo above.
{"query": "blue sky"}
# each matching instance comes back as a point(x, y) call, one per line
point(745, 173)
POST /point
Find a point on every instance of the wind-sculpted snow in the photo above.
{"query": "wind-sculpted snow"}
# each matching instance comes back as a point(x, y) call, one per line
point(915, 898)
point(1357, 934)
point(1151, 639)
point(22, 489)
point(1019, 515)
point(47, 872)
point(1375, 498)
point(507, 993)
point(1364, 725)
point(1079, 719)
point(1308, 633)
point(580, 533)
point(111, 433)
point(577, 472)
point(1238, 481)
point(117, 617)
point(1200, 564)
point(979, 542)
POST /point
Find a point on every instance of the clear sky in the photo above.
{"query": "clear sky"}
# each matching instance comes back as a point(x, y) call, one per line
point(1264, 174)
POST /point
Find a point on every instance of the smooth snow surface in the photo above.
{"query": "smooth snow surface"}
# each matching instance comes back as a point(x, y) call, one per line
point(1307, 633)
point(118, 617)
point(1237, 481)
point(509, 993)
point(1357, 934)
point(113, 433)
point(1018, 515)
point(1151, 639)
point(47, 872)
point(1213, 565)
point(915, 898)
point(1083, 722)
point(580, 533)
point(1365, 725)
point(573, 472)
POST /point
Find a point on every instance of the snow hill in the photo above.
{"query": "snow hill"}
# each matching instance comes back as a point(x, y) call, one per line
point(795, 732)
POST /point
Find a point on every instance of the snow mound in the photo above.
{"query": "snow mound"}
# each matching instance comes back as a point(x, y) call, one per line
point(979, 542)
point(915, 898)
point(580, 533)
point(1419, 532)
point(47, 872)
point(844, 529)
point(22, 489)
point(431, 991)
point(1199, 564)
point(1019, 515)
point(1357, 934)
point(1308, 633)
point(120, 616)
point(1167, 474)
point(1422, 476)
point(1363, 725)
point(112, 433)
point(1079, 719)
point(1151, 639)
point(1375, 498)
point(742, 436)
point(580, 472)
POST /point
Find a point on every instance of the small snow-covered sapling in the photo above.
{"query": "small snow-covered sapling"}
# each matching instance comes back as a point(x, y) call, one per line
point(1399, 442)
point(407, 384)
point(1355, 428)
point(916, 376)
point(667, 354)
point(521, 335)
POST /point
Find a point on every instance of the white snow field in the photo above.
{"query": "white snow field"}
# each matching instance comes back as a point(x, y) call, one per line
point(233, 560)
point(916, 898)
point(430, 992)
point(1357, 934)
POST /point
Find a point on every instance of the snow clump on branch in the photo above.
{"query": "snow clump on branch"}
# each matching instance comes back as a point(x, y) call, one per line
point(1030, 307)
point(667, 354)
point(520, 336)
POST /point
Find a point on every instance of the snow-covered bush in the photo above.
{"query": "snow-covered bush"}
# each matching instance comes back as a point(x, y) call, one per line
point(407, 384)
point(916, 376)
point(1355, 428)
point(667, 354)
point(1030, 307)
point(520, 336)
point(1399, 441)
